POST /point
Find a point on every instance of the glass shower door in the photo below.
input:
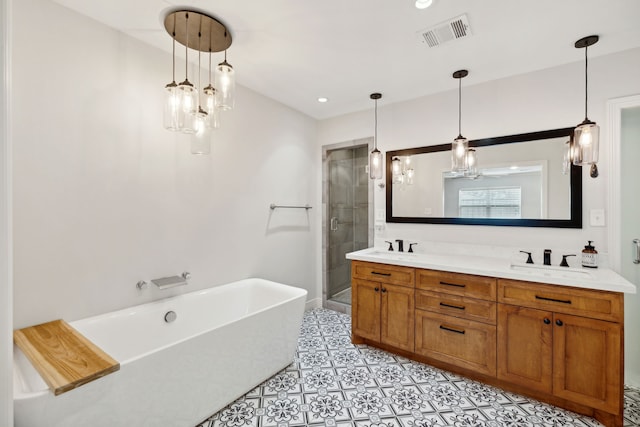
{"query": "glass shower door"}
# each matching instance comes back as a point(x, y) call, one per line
point(348, 220)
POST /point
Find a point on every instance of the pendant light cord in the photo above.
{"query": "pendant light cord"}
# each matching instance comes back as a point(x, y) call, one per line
point(459, 107)
point(174, 49)
point(586, 77)
point(199, 68)
point(186, 48)
point(375, 135)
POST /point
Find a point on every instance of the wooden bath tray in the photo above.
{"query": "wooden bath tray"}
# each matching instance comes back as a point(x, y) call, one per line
point(63, 356)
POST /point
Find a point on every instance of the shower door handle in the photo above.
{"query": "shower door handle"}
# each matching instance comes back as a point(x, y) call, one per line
point(334, 224)
point(636, 251)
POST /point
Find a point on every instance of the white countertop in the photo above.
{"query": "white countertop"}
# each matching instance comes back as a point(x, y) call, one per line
point(600, 278)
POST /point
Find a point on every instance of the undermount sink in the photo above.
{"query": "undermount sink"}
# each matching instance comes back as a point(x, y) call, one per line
point(393, 255)
point(551, 271)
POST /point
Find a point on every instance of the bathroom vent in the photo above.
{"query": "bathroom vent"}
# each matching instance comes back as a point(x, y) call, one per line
point(455, 28)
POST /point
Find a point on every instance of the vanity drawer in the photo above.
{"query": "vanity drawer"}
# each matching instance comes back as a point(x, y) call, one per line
point(460, 342)
point(384, 273)
point(453, 305)
point(464, 285)
point(596, 304)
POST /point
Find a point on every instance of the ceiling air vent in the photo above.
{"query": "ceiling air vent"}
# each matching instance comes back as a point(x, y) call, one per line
point(455, 28)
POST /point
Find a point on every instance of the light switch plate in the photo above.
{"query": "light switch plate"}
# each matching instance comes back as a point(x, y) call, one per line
point(596, 218)
point(380, 213)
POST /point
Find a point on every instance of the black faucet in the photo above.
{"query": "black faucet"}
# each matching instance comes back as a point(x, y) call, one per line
point(547, 257)
point(400, 245)
point(390, 245)
point(564, 262)
point(411, 247)
point(529, 259)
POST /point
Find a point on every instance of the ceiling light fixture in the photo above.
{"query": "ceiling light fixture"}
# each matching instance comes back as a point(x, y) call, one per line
point(586, 136)
point(423, 4)
point(184, 111)
point(375, 157)
point(323, 99)
point(226, 84)
point(459, 161)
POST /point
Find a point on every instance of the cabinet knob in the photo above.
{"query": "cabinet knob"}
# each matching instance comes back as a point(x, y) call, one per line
point(559, 322)
point(546, 321)
point(384, 290)
point(376, 289)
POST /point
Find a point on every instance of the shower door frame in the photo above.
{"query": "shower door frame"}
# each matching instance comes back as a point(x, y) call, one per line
point(368, 142)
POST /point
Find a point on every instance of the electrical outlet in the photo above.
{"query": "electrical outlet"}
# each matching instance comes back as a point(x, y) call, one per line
point(596, 217)
point(380, 213)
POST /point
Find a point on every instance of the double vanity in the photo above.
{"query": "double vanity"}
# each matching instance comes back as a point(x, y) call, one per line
point(553, 333)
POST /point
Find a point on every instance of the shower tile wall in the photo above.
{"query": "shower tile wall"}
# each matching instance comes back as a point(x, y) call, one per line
point(348, 202)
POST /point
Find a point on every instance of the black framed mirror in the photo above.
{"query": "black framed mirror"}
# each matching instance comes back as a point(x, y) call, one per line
point(521, 180)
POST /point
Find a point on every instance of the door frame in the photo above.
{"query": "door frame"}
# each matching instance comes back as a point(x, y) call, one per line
point(614, 121)
point(6, 245)
point(343, 308)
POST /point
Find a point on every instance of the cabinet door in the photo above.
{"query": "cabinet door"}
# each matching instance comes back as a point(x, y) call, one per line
point(525, 339)
point(397, 316)
point(365, 309)
point(587, 362)
point(470, 345)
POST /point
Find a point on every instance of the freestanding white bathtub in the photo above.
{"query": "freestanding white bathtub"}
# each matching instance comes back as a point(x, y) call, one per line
point(225, 341)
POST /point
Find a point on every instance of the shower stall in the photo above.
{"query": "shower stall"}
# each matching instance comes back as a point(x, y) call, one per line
point(346, 199)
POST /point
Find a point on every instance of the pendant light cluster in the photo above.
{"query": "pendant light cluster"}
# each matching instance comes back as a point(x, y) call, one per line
point(187, 109)
point(402, 171)
point(463, 158)
point(586, 136)
point(375, 157)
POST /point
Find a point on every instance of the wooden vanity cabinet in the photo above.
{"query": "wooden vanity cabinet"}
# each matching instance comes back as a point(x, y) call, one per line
point(556, 341)
point(383, 304)
point(456, 319)
point(558, 344)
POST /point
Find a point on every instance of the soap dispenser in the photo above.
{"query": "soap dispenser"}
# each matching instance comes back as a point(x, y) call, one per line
point(590, 256)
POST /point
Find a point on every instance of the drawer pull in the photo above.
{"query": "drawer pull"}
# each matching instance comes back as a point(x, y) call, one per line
point(381, 274)
point(452, 284)
point(457, 331)
point(457, 307)
point(563, 301)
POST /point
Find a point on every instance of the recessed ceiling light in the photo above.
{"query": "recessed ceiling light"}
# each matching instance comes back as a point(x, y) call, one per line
point(323, 99)
point(423, 4)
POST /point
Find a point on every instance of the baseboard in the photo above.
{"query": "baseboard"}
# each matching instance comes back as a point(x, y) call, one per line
point(313, 303)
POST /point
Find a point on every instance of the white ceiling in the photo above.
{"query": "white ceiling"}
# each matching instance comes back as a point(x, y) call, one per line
point(297, 50)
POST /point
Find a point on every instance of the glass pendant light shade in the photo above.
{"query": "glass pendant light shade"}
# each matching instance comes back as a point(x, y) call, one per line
point(375, 157)
point(201, 138)
point(586, 136)
point(375, 164)
point(586, 140)
point(460, 144)
point(225, 85)
point(472, 163)
point(459, 154)
point(188, 96)
point(213, 117)
point(171, 107)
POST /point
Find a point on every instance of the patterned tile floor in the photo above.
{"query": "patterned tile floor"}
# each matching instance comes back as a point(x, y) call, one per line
point(335, 383)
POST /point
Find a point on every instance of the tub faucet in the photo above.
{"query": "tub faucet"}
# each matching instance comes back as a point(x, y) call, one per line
point(547, 257)
point(400, 245)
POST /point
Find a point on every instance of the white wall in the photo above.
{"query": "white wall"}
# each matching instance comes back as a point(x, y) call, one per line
point(546, 99)
point(104, 196)
point(6, 313)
